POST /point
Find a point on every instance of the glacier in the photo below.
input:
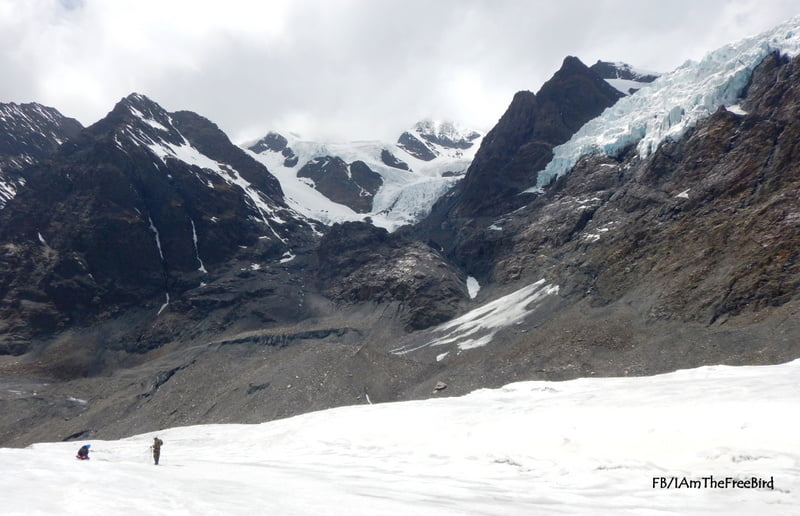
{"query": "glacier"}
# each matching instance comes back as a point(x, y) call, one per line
point(673, 103)
point(405, 197)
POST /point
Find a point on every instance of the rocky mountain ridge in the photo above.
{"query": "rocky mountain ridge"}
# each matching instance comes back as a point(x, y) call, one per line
point(140, 206)
point(28, 133)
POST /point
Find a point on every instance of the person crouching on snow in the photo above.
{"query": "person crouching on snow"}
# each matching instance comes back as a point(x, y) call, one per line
point(83, 453)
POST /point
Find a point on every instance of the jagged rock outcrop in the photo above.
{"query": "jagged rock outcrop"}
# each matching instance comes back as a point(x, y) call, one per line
point(31, 132)
point(624, 77)
point(390, 160)
point(271, 142)
point(28, 134)
point(609, 70)
point(521, 143)
point(362, 263)
point(428, 139)
point(416, 147)
point(511, 155)
point(276, 143)
point(353, 185)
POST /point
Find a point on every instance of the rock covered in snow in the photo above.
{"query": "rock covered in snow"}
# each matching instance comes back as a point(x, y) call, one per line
point(351, 184)
point(28, 134)
point(391, 160)
point(623, 76)
point(429, 139)
point(399, 182)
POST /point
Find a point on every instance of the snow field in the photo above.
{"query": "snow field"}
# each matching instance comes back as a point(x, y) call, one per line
point(404, 198)
point(587, 446)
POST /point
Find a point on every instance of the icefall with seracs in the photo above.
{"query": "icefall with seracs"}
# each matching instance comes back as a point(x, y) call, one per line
point(674, 102)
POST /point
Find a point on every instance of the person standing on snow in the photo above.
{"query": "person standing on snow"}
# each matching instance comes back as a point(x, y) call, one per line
point(83, 453)
point(156, 449)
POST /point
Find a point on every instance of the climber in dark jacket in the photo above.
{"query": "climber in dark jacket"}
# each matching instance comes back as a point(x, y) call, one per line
point(156, 449)
point(83, 453)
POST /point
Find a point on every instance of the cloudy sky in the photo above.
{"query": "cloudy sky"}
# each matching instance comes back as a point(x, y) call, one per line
point(341, 69)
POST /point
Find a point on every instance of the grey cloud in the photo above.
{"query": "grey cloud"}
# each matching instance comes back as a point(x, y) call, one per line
point(340, 69)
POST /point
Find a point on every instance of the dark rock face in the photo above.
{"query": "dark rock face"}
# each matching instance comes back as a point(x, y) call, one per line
point(521, 144)
point(369, 180)
point(291, 158)
point(390, 160)
point(271, 142)
point(128, 222)
point(414, 146)
point(702, 231)
point(510, 157)
point(353, 185)
point(359, 262)
point(213, 143)
point(28, 134)
point(31, 132)
point(274, 142)
point(686, 258)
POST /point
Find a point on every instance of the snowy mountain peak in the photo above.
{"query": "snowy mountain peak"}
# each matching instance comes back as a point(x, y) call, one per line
point(675, 102)
point(623, 76)
point(29, 113)
point(271, 142)
point(620, 70)
point(431, 138)
point(185, 144)
point(446, 134)
point(195, 142)
point(276, 143)
point(28, 133)
point(144, 121)
point(142, 104)
point(148, 111)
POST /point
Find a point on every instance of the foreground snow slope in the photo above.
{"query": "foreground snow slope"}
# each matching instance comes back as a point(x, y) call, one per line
point(588, 446)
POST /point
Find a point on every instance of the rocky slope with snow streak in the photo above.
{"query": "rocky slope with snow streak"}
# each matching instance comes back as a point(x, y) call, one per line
point(142, 207)
point(28, 134)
